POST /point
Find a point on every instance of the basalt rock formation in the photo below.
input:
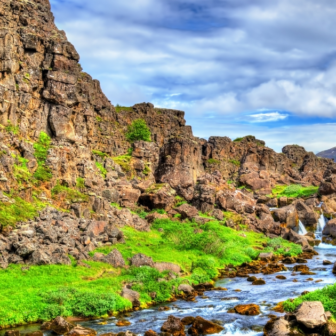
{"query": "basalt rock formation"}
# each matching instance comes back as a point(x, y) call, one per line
point(43, 91)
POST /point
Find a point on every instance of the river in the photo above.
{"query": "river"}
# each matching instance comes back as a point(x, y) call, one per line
point(215, 304)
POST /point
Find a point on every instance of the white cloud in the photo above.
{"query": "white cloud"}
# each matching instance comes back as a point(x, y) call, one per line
point(267, 117)
point(222, 57)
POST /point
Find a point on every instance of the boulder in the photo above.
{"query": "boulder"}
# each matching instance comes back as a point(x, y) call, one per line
point(277, 327)
point(60, 326)
point(247, 309)
point(307, 216)
point(12, 333)
point(218, 214)
point(266, 256)
point(185, 288)
point(152, 217)
point(81, 331)
point(311, 314)
point(115, 259)
point(188, 320)
point(140, 259)
point(165, 266)
point(201, 326)
point(159, 196)
point(187, 211)
point(150, 333)
point(330, 228)
point(132, 296)
point(173, 326)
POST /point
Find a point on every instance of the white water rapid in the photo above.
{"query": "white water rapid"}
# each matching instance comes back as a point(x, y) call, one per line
point(302, 229)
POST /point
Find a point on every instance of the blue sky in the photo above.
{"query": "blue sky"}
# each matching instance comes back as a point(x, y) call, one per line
point(237, 67)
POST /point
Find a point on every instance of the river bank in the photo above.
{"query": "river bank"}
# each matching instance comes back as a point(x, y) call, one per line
point(215, 304)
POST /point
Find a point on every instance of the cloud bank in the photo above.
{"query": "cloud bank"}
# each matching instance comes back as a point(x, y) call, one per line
point(225, 58)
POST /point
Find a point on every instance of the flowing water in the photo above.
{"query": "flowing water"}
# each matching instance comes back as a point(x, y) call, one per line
point(215, 304)
point(302, 229)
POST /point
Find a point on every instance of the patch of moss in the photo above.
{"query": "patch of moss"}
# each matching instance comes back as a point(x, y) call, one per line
point(124, 161)
point(235, 162)
point(102, 169)
point(42, 146)
point(69, 194)
point(119, 108)
point(213, 161)
point(100, 154)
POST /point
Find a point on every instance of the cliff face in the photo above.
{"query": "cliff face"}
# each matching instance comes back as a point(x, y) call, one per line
point(43, 90)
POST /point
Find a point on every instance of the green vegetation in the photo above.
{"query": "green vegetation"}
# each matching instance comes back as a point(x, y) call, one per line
point(67, 193)
point(124, 161)
point(102, 169)
point(100, 154)
point(235, 162)
point(326, 295)
point(44, 292)
point(294, 190)
point(80, 183)
point(43, 173)
point(10, 128)
point(20, 210)
point(119, 108)
point(147, 170)
point(138, 130)
point(230, 182)
point(242, 138)
point(213, 161)
point(21, 171)
point(99, 119)
point(179, 201)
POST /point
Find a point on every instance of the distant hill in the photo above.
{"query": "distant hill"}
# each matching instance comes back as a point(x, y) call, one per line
point(329, 154)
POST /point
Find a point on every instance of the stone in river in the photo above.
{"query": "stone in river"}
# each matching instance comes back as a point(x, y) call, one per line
point(247, 309)
point(311, 314)
point(259, 282)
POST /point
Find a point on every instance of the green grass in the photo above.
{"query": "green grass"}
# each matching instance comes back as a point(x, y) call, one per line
point(147, 170)
point(42, 146)
point(124, 161)
point(235, 162)
point(326, 295)
point(10, 128)
point(21, 210)
point(44, 292)
point(179, 201)
point(21, 171)
point(99, 153)
point(80, 183)
point(294, 190)
point(119, 108)
point(68, 193)
point(102, 169)
point(213, 161)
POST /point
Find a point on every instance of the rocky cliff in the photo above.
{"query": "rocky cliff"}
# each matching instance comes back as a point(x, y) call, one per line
point(63, 144)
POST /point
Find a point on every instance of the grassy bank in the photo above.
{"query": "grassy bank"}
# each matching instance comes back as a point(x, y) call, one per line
point(44, 292)
point(326, 295)
point(294, 191)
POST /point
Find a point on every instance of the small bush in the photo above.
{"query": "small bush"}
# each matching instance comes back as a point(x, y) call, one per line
point(138, 130)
